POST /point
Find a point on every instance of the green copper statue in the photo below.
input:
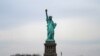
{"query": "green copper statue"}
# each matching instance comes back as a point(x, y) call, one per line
point(50, 27)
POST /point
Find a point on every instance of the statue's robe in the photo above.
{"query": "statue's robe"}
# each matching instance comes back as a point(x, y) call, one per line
point(50, 28)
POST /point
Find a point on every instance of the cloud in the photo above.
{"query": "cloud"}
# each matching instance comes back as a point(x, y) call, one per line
point(21, 11)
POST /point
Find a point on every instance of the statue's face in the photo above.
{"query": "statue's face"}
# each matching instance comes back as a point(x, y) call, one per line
point(50, 18)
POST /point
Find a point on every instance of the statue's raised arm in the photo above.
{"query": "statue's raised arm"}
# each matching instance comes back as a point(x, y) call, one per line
point(46, 14)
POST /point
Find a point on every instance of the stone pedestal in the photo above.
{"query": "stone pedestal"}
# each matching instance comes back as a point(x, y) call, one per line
point(50, 48)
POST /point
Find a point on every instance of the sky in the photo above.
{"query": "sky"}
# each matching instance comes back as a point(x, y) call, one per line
point(23, 26)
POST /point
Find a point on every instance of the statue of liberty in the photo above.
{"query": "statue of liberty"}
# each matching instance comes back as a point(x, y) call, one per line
point(50, 27)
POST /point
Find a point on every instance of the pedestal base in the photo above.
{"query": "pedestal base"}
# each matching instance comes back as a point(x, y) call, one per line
point(50, 48)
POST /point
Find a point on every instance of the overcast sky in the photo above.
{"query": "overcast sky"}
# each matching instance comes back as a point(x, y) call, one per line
point(23, 26)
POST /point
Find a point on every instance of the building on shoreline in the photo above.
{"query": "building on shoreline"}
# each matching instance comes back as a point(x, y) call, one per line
point(26, 55)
